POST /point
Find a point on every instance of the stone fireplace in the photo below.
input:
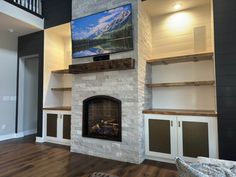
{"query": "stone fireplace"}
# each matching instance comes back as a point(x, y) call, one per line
point(102, 118)
point(93, 125)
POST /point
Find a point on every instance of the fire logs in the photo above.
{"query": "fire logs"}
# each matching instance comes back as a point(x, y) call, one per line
point(105, 128)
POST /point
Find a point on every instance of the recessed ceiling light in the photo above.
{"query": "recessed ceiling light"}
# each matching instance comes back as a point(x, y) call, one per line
point(11, 30)
point(177, 6)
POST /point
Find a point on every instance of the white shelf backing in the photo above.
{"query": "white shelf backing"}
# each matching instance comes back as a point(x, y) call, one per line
point(57, 56)
point(183, 72)
point(191, 97)
point(202, 97)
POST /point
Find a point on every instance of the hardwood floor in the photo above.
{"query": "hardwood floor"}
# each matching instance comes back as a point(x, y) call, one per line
point(25, 158)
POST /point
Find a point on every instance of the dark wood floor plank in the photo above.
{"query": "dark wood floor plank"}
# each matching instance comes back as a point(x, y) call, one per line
point(25, 158)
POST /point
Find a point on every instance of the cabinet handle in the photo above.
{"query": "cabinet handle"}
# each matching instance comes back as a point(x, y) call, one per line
point(171, 123)
point(179, 123)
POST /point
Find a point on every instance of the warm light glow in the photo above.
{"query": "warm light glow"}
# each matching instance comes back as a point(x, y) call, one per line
point(179, 22)
point(11, 30)
point(177, 6)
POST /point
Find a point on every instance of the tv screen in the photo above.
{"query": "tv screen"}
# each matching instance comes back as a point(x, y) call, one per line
point(103, 33)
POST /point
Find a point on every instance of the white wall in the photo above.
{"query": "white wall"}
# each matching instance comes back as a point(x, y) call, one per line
point(202, 97)
point(57, 56)
point(21, 15)
point(8, 68)
point(53, 60)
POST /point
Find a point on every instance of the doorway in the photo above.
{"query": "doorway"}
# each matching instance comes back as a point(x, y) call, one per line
point(28, 95)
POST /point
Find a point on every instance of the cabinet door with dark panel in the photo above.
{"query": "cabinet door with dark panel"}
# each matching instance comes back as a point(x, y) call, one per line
point(195, 137)
point(52, 125)
point(67, 127)
point(161, 133)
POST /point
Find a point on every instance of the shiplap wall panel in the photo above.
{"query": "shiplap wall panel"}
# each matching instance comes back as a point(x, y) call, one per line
point(173, 34)
point(56, 57)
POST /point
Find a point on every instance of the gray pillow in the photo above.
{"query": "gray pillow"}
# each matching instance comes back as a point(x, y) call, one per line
point(202, 170)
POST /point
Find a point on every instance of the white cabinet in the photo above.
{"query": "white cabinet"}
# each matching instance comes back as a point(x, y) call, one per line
point(167, 137)
point(57, 127)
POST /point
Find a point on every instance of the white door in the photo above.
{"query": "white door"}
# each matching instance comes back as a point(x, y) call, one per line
point(197, 137)
point(161, 137)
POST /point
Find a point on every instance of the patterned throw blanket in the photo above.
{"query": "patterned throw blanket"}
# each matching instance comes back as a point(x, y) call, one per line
point(203, 170)
point(98, 174)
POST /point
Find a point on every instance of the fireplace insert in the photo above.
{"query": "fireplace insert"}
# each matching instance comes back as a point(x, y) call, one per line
point(102, 118)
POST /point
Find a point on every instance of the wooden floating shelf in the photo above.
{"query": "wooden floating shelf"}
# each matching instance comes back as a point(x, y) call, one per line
point(180, 59)
point(62, 71)
point(101, 66)
point(62, 89)
point(178, 84)
point(62, 108)
point(208, 113)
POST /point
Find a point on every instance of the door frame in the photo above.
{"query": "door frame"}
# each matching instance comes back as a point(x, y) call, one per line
point(20, 94)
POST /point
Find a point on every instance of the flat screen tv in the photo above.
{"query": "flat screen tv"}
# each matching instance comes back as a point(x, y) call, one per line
point(103, 33)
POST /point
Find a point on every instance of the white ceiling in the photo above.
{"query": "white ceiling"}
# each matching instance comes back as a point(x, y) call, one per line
point(20, 28)
point(160, 7)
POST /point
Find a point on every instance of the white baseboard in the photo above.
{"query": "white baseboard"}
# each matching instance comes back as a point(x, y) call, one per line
point(17, 135)
point(7, 137)
point(11, 136)
point(171, 161)
point(56, 141)
point(30, 132)
point(39, 140)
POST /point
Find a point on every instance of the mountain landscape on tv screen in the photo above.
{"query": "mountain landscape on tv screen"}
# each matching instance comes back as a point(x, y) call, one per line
point(103, 33)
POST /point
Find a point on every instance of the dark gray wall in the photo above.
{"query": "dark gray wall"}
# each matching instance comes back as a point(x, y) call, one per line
point(56, 12)
point(225, 51)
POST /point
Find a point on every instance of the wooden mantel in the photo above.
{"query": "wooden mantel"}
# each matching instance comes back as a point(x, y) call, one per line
point(101, 66)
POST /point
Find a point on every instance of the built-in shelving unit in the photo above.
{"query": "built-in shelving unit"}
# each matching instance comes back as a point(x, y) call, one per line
point(185, 100)
point(181, 59)
point(177, 84)
point(181, 117)
point(61, 88)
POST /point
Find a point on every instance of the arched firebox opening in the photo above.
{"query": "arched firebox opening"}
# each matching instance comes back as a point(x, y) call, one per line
point(102, 118)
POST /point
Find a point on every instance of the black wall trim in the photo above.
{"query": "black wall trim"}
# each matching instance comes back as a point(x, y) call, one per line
point(225, 55)
point(56, 12)
point(32, 44)
point(17, 90)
